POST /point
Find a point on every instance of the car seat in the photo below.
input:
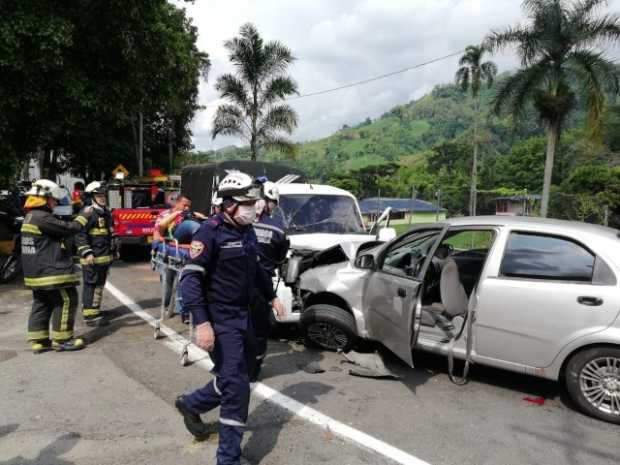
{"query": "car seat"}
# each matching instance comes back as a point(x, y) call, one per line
point(454, 299)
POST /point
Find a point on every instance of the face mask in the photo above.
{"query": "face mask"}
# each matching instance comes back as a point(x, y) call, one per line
point(245, 214)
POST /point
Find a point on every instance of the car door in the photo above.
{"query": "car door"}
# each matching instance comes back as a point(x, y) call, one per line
point(546, 290)
point(392, 290)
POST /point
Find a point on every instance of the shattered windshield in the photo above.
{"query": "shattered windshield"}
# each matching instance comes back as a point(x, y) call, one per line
point(309, 213)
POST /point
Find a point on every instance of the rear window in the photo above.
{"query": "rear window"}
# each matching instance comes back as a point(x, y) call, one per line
point(537, 256)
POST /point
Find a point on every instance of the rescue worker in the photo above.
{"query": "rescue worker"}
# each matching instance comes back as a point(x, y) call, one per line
point(49, 270)
point(96, 247)
point(217, 285)
point(272, 249)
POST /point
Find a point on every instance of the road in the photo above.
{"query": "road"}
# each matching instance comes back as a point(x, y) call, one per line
point(112, 403)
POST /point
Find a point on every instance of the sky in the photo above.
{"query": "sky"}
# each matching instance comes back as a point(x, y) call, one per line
point(337, 42)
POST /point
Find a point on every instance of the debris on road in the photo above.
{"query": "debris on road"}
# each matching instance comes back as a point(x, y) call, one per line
point(535, 400)
point(368, 365)
point(312, 368)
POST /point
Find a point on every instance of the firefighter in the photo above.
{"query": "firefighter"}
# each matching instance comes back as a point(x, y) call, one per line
point(217, 285)
point(272, 249)
point(49, 271)
point(96, 247)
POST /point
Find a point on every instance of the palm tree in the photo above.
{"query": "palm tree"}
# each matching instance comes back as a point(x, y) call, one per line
point(256, 91)
point(470, 76)
point(558, 52)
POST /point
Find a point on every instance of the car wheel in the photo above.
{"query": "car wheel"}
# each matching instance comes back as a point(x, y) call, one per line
point(328, 327)
point(593, 382)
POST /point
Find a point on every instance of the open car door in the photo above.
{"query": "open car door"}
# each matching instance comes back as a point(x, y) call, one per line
point(393, 290)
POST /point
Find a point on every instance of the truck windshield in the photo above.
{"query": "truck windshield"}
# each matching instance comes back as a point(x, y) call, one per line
point(308, 213)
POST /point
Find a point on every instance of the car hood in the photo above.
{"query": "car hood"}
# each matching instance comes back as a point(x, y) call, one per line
point(322, 241)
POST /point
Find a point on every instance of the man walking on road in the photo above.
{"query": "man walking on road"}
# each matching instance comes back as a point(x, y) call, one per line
point(217, 285)
point(49, 271)
point(272, 248)
point(96, 247)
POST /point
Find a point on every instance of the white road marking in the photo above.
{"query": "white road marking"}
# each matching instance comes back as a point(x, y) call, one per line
point(176, 342)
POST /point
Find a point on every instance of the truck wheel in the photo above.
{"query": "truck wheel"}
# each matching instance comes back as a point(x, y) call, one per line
point(593, 382)
point(328, 327)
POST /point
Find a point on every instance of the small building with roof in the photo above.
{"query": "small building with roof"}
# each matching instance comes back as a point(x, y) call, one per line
point(404, 211)
point(516, 205)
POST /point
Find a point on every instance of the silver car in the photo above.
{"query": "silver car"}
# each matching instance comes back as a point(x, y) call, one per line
point(540, 297)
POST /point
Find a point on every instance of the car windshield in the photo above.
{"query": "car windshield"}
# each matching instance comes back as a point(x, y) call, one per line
point(309, 213)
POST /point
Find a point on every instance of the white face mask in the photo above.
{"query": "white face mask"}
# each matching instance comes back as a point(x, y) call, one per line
point(245, 214)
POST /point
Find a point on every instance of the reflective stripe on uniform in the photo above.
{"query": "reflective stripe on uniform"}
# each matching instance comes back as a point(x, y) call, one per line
point(269, 227)
point(52, 280)
point(38, 335)
point(99, 232)
point(82, 220)
point(194, 268)
point(103, 260)
point(32, 229)
point(82, 247)
point(260, 357)
point(229, 422)
point(61, 335)
point(97, 297)
point(88, 312)
point(217, 390)
point(66, 302)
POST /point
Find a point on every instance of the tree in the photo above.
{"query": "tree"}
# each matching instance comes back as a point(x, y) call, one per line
point(470, 77)
point(558, 48)
point(75, 76)
point(255, 92)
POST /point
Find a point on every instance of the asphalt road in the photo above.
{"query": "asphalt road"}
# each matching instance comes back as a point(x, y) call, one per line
point(113, 402)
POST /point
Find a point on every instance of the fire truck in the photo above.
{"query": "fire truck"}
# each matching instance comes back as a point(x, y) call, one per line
point(136, 204)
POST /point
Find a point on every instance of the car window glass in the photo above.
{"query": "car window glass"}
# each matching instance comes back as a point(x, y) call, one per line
point(537, 256)
point(407, 258)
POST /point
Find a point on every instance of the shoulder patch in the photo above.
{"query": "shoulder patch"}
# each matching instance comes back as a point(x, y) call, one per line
point(196, 248)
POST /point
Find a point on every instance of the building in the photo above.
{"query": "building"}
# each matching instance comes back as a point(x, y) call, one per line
point(404, 211)
point(516, 205)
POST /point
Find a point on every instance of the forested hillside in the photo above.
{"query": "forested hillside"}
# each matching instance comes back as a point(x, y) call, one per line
point(427, 145)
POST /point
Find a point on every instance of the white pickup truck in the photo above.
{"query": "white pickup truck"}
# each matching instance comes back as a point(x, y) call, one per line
point(316, 217)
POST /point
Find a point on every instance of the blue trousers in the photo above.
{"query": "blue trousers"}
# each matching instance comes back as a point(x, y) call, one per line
point(233, 356)
point(260, 313)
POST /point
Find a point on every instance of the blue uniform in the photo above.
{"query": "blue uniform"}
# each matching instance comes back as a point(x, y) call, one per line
point(216, 285)
point(272, 248)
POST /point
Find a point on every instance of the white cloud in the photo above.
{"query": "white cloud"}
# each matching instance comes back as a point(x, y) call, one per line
point(338, 42)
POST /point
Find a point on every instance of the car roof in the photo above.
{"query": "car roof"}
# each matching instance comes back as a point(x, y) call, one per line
point(529, 221)
point(318, 189)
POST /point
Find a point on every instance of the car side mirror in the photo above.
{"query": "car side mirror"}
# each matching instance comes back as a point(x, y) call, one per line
point(365, 262)
point(386, 234)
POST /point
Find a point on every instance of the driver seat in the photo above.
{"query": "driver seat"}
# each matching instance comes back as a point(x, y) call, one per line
point(454, 299)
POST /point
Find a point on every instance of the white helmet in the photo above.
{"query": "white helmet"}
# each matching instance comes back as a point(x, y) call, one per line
point(47, 188)
point(271, 192)
point(217, 201)
point(240, 186)
point(95, 187)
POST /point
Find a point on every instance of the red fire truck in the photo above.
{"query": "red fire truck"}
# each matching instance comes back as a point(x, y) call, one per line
point(135, 205)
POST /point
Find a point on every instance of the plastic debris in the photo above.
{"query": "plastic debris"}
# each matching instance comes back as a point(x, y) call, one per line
point(535, 400)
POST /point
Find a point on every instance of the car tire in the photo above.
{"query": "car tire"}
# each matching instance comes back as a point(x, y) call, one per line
point(593, 382)
point(328, 327)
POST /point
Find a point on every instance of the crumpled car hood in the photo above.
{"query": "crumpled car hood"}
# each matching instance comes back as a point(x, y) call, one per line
point(322, 241)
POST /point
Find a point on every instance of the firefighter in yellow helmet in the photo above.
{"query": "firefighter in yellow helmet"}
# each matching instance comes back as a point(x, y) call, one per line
point(96, 246)
point(49, 271)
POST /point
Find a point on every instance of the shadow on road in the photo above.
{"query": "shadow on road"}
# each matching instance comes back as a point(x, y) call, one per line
point(8, 429)
point(51, 453)
point(268, 420)
point(116, 319)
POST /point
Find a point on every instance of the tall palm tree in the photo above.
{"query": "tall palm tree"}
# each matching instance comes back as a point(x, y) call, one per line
point(255, 92)
point(559, 47)
point(470, 76)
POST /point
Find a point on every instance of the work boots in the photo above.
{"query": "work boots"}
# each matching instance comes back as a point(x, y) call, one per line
point(75, 343)
point(40, 346)
point(192, 421)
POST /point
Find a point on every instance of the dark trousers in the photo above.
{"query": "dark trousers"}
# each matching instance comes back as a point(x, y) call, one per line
point(94, 280)
point(59, 307)
point(233, 357)
point(260, 312)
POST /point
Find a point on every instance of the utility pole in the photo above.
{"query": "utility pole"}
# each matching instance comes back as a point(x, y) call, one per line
point(140, 145)
point(606, 216)
point(170, 137)
point(414, 193)
point(438, 195)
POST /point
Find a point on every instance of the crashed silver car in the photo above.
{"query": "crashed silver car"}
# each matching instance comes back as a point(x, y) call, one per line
point(540, 297)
